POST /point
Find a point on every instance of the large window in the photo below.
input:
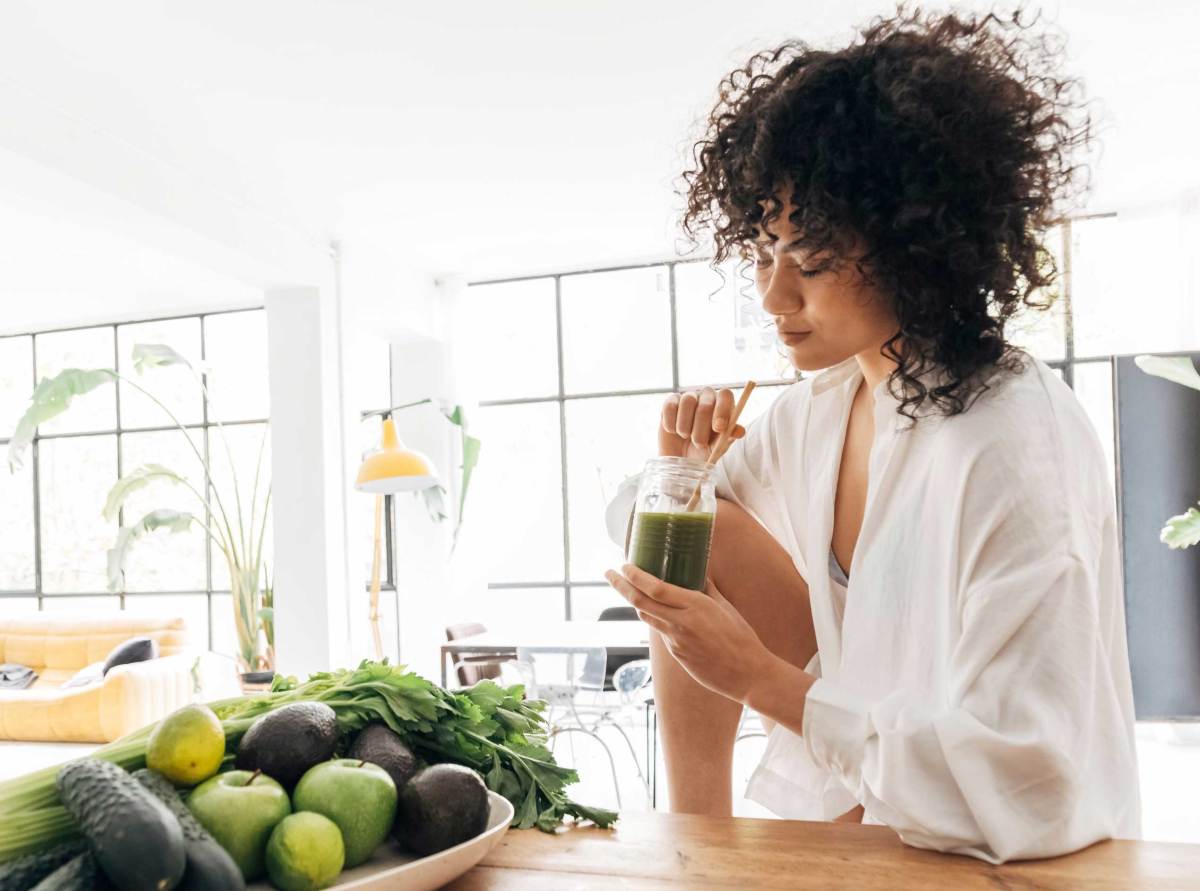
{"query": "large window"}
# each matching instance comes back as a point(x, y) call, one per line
point(570, 370)
point(53, 538)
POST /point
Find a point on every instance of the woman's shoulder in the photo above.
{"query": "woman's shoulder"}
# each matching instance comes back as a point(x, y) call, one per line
point(1027, 413)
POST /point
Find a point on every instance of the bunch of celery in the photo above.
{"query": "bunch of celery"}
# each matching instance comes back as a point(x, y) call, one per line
point(487, 727)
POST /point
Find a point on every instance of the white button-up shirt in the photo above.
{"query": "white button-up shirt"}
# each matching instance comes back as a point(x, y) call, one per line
point(974, 690)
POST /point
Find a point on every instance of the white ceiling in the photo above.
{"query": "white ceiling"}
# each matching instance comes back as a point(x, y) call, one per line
point(477, 138)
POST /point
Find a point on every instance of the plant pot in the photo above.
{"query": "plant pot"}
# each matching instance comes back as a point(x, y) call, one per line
point(256, 681)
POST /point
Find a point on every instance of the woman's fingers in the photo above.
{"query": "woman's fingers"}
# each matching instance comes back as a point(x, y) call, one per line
point(657, 624)
point(636, 598)
point(687, 414)
point(702, 424)
point(723, 410)
point(670, 411)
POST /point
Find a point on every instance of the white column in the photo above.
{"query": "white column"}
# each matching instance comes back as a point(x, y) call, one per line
point(421, 369)
point(308, 480)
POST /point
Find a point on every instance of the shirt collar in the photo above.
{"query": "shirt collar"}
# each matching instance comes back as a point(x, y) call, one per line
point(834, 375)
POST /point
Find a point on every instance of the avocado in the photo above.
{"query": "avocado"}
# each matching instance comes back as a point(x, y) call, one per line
point(136, 840)
point(25, 872)
point(380, 745)
point(442, 806)
point(209, 866)
point(286, 742)
point(78, 874)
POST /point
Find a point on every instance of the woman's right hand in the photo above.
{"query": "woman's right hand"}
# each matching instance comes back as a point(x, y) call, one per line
point(693, 421)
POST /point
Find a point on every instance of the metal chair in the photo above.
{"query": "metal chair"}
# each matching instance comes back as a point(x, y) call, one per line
point(572, 683)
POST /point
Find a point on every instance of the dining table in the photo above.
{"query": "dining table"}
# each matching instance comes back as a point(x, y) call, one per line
point(655, 850)
point(626, 639)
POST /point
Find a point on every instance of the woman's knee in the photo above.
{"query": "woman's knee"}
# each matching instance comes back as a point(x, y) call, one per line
point(744, 549)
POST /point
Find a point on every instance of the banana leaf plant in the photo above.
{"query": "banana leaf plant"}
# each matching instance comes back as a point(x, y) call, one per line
point(1182, 530)
point(233, 524)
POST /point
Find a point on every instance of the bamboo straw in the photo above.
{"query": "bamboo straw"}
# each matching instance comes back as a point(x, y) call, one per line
point(724, 441)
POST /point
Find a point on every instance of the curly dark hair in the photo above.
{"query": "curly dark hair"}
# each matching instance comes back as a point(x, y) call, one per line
point(946, 143)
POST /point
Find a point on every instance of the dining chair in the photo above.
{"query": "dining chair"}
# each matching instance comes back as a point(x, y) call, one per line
point(470, 670)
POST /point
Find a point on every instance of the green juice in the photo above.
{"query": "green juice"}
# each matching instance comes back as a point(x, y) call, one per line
point(672, 546)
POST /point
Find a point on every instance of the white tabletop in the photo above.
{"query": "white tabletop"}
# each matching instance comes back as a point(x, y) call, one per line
point(558, 637)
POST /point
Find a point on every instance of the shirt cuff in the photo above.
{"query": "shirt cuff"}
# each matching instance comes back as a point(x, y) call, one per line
point(836, 727)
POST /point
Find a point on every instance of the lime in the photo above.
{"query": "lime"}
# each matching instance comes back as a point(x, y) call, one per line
point(187, 746)
point(305, 852)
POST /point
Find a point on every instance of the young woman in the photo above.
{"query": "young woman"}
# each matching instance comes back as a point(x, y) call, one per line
point(914, 576)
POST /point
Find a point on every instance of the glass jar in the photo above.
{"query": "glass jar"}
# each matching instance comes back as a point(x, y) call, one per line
point(671, 530)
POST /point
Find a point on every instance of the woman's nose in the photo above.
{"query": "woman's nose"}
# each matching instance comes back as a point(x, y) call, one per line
point(778, 299)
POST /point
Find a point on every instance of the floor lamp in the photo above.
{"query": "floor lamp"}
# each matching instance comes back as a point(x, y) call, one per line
point(389, 469)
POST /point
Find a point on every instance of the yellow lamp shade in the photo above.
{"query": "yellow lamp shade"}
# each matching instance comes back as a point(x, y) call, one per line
point(393, 468)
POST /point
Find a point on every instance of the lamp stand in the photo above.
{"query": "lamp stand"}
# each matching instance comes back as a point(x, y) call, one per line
point(375, 579)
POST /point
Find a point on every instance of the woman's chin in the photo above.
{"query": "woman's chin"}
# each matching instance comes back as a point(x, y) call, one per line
point(805, 358)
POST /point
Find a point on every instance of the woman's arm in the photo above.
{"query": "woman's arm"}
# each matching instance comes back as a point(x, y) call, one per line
point(1030, 756)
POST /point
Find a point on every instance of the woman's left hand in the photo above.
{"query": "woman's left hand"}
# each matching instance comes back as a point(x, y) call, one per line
point(702, 630)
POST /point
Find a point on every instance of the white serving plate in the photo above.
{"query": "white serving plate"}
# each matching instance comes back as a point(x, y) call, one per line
point(397, 870)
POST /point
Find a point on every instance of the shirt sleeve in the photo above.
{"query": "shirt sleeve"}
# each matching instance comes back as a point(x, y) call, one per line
point(1027, 758)
point(749, 473)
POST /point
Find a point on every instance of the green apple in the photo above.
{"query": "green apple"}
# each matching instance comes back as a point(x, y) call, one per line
point(358, 796)
point(239, 809)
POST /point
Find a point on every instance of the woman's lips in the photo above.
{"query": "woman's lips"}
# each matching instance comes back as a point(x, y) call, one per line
point(791, 338)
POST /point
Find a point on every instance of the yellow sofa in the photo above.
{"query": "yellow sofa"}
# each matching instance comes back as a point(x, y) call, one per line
point(127, 698)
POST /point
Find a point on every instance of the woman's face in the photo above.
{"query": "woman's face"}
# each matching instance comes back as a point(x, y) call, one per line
point(824, 312)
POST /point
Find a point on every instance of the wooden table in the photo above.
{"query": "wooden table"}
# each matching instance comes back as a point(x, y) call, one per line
point(658, 851)
point(630, 639)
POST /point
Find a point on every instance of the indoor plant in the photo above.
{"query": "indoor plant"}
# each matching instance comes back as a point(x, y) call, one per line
point(236, 526)
point(1182, 530)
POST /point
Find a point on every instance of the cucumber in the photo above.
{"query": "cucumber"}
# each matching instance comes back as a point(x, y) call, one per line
point(209, 866)
point(78, 874)
point(136, 840)
point(25, 872)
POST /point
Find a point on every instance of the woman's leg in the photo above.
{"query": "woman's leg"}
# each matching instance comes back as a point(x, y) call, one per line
point(757, 576)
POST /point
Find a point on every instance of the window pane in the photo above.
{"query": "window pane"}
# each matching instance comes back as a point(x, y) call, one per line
point(224, 631)
point(16, 528)
point(507, 608)
point(1042, 333)
point(192, 608)
point(235, 350)
point(588, 603)
point(74, 476)
point(86, 348)
point(242, 442)
point(174, 385)
point(1093, 387)
point(616, 330)
point(1135, 285)
point(163, 560)
point(724, 334)
point(16, 381)
point(513, 522)
point(507, 346)
point(607, 440)
point(11, 605)
point(98, 604)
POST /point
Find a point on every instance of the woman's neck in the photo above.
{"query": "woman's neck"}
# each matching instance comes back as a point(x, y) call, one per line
point(875, 368)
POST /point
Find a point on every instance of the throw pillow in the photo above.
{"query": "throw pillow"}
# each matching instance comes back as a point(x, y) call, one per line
point(136, 649)
point(89, 674)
